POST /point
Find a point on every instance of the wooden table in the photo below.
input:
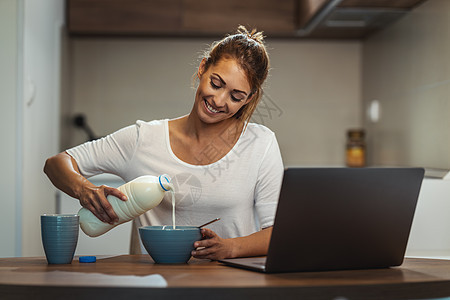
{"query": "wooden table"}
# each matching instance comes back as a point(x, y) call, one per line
point(32, 278)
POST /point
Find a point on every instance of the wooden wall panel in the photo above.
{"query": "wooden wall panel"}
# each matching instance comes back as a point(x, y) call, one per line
point(219, 16)
point(124, 16)
point(179, 16)
point(277, 18)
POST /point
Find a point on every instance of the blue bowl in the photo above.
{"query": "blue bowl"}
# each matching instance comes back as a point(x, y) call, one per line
point(167, 245)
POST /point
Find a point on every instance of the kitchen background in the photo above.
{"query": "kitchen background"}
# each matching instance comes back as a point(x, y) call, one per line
point(394, 83)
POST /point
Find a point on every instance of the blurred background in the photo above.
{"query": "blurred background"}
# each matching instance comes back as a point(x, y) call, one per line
point(80, 69)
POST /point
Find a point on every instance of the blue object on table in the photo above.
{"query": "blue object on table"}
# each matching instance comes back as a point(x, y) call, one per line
point(87, 259)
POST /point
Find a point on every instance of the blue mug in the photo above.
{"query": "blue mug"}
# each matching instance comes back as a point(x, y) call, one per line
point(59, 237)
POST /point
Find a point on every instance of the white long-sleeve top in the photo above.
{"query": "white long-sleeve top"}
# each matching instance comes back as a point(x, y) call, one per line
point(242, 188)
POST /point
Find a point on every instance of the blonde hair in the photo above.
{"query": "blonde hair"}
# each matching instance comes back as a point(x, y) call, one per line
point(249, 50)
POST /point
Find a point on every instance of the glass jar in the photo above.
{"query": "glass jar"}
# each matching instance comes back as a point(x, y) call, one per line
point(356, 148)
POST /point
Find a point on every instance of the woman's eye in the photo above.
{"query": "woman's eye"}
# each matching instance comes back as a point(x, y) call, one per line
point(214, 85)
point(236, 99)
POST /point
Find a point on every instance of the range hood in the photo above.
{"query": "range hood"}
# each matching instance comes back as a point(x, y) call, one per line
point(349, 18)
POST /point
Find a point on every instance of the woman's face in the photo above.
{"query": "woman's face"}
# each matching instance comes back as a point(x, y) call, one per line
point(222, 91)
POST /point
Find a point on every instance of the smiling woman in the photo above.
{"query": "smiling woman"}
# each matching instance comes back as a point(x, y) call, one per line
point(223, 90)
point(236, 165)
point(248, 50)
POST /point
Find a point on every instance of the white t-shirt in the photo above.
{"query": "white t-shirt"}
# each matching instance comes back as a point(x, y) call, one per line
point(242, 188)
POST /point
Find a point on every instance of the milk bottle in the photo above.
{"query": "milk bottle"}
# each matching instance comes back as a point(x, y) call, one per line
point(143, 193)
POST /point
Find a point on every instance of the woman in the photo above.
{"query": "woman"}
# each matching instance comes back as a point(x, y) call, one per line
point(223, 166)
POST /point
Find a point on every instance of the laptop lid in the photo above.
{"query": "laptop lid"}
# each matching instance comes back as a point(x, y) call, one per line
point(342, 218)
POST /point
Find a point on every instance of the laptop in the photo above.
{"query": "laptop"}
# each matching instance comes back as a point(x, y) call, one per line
point(340, 219)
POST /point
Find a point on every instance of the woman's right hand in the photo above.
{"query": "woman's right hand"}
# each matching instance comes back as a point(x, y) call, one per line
point(63, 172)
point(94, 198)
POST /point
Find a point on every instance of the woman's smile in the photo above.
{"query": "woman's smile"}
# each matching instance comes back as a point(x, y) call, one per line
point(210, 108)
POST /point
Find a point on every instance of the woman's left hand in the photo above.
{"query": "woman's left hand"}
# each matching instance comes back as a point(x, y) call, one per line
point(215, 247)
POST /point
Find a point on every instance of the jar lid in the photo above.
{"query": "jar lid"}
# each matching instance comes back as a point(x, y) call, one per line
point(355, 133)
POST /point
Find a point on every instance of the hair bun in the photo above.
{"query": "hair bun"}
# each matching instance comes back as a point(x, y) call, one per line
point(253, 34)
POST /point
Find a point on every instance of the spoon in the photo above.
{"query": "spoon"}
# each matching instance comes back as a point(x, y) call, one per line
point(215, 220)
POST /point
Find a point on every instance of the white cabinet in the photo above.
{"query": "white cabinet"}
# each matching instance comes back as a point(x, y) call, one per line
point(9, 235)
point(31, 37)
point(430, 232)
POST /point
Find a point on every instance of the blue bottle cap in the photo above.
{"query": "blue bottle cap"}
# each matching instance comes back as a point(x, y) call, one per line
point(87, 259)
point(164, 182)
